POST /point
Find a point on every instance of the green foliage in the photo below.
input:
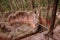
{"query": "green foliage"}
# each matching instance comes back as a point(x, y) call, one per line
point(43, 3)
point(25, 4)
point(59, 5)
point(5, 5)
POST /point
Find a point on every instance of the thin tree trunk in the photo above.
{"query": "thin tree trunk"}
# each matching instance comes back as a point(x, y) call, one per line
point(48, 8)
point(39, 11)
point(1, 11)
point(33, 4)
point(1, 8)
point(53, 17)
point(20, 4)
point(10, 4)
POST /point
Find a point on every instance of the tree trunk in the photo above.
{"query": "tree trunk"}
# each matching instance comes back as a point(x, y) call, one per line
point(53, 17)
point(48, 8)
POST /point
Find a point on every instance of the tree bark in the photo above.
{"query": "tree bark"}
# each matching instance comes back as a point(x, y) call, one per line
point(53, 17)
point(48, 8)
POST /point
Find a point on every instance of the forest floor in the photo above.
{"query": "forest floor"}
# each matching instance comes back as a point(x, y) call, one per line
point(41, 36)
